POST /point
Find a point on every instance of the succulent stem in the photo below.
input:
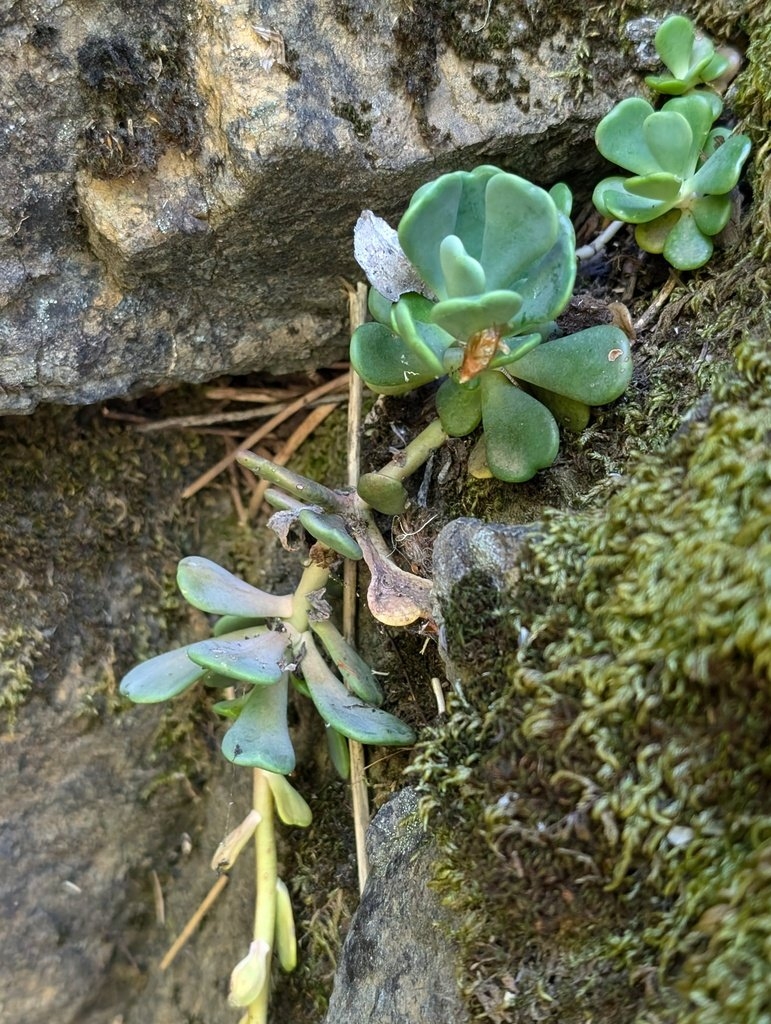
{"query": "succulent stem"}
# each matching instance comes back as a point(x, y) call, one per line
point(314, 577)
point(266, 876)
point(308, 491)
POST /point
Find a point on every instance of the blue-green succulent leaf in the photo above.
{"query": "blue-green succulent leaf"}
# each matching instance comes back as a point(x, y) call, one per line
point(458, 407)
point(209, 587)
point(231, 623)
point(356, 673)
point(700, 109)
point(674, 44)
point(463, 274)
point(686, 247)
point(249, 655)
point(652, 236)
point(720, 172)
point(521, 435)
point(661, 187)
point(161, 678)
point(344, 711)
point(337, 746)
point(230, 708)
point(379, 307)
point(291, 806)
point(383, 493)
point(385, 363)
point(547, 286)
point(592, 366)
point(518, 348)
point(521, 226)
point(330, 529)
point(612, 198)
point(259, 738)
point(426, 341)
point(563, 198)
point(431, 216)
point(462, 318)
point(712, 213)
point(621, 139)
point(568, 413)
point(670, 140)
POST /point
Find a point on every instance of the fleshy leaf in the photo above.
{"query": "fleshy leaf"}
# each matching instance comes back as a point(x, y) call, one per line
point(292, 808)
point(209, 587)
point(330, 529)
point(621, 139)
point(232, 623)
point(686, 247)
point(463, 274)
point(161, 678)
point(521, 435)
point(345, 712)
point(652, 236)
point(563, 198)
point(459, 408)
point(286, 939)
point(337, 747)
point(670, 140)
point(383, 493)
point(662, 187)
point(613, 199)
point(720, 173)
point(521, 226)
point(593, 366)
point(519, 347)
point(712, 213)
point(674, 44)
point(700, 111)
point(248, 655)
point(426, 341)
point(569, 413)
point(259, 738)
point(462, 318)
point(356, 673)
point(547, 286)
point(385, 363)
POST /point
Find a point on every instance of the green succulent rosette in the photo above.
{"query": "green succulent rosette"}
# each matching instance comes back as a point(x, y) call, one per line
point(690, 60)
point(498, 255)
point(683, 173)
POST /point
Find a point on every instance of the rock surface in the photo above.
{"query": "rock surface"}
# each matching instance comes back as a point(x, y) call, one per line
point(397, 965)
point(179, 182)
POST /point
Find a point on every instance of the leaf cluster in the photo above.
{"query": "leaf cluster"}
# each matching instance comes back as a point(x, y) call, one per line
point(262, 648)
point(495, 256)
point(683, 167)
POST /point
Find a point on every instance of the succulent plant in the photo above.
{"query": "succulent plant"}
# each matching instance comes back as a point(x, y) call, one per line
point(496, 255)
point(684, 171)
point(690, 59)
point(264, 643)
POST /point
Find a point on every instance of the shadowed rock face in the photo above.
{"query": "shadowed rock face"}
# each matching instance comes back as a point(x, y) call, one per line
point(179, 182)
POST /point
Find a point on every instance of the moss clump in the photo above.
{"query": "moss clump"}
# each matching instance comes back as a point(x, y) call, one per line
point(609, 775)
point(615, 751)
point(20, 649)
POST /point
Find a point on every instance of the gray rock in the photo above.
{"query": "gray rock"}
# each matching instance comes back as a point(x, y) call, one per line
point(179, 181)
point(397, 964)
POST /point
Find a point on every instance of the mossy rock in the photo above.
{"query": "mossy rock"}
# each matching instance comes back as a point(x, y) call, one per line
point(601, 790)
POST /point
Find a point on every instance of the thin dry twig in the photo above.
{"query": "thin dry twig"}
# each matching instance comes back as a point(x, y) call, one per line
point(300, 403)
point(666, 290)
point(357, 312)
point(184, 936)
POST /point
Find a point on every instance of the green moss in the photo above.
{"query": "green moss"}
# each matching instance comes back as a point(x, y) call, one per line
point(21, 648)
point(609, 773)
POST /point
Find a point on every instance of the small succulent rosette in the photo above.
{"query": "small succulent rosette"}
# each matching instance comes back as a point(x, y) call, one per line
point(684, 171)
point(495, 258)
